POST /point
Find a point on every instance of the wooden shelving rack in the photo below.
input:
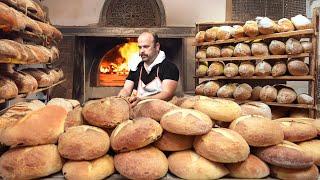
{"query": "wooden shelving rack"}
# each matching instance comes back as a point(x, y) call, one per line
point(312, 78)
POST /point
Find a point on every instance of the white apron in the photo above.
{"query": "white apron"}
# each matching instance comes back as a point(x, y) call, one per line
point(151, 88)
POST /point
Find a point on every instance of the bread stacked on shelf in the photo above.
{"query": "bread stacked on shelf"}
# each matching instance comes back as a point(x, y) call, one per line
point(192, 137)
point(26, 38)
point(232, 61)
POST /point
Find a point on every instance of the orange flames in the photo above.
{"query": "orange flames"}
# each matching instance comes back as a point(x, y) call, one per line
point(113, 68)
point(119, 64)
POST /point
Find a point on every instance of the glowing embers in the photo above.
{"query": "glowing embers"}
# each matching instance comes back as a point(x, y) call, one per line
point(113, 67)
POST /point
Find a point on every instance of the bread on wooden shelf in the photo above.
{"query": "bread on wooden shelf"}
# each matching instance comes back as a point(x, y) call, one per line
point(8, 89)
point(25, 82)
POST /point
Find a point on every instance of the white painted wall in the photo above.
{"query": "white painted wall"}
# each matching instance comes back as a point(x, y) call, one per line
point(178, 12)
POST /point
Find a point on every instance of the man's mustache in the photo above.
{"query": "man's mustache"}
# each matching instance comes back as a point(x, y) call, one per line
point(145, 55)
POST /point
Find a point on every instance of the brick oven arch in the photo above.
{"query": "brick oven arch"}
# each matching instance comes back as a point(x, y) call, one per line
point(132, 13)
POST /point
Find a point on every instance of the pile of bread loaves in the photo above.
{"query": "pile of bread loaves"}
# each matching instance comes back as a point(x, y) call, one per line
point(262, 25)
point(280, 93)
point(257, 48)
point(13, 20)
point(294, 67)
point(192, 137)
point(13, 83)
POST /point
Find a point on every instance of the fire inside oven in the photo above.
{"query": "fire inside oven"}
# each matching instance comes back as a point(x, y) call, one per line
point(113, 68)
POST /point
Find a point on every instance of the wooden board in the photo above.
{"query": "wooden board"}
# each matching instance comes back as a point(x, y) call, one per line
point(247, 58)
point(268, 36)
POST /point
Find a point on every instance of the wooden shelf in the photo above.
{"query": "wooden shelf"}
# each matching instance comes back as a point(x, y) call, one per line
point(268, 36)
point(34, 92)
point(247, 58)
point(303, 106)
point(23, 10)
point(287, 78)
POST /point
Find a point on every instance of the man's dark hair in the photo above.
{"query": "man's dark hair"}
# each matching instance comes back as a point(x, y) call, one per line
point(155, 38)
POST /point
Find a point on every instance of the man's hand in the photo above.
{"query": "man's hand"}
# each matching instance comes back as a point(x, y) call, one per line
point(134, 100)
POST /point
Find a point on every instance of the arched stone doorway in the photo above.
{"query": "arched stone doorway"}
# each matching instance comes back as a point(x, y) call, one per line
point(133, 13)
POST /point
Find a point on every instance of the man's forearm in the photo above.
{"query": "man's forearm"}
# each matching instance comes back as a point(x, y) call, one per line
point(166, 96)
point(124, 93)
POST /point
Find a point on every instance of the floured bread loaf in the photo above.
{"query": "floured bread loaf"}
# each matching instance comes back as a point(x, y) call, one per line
point(211, 88)
point(259, 49)
point(268, 93)
point(246, 69)
point(258, 131)
point(30, 162)
point(266, 25)
point(222, 145)
point(200, 36)
point(174, 142)
point(237, 31)
point(25, 82)
point(213, 52)
point(224, 32)
point(186, 122)
point(251, 168)
point(231, 70)
point(286, 155)
point(242, 49)
point(74, 118)
point(277, 47)
point(285, 25)
point(82, 170)
point(304, 99)
point(62, 103)
point(135, 134)
point(286, 95)
point(263, 68)
point(216, 69)
point(83, 143)
point(219, 109)
point(256, 108)
point(251, 28)
point(297, 67)
point(43, 126)
point(226, 91)
point(288, 173)
point(227, 51)
point(189, 165)
point(107, 112)
point(8, 89)
point(279, 69)
point(145, 163)
point(242, 92)
point(255, 94)
point(211, 34)
point(301, 22)
point(293, 46)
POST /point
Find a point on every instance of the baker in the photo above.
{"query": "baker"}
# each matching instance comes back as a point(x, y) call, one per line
point(152, 75)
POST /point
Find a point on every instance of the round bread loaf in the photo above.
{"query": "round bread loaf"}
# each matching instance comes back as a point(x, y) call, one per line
point(246, 69)
point(255, 94)
point(224, 32)
point(25, 82)
point(251, 168)
point(237, 31)
point(242, 92)
point(189, 165)
point(186, 122)
point(211, 34)
point(286, 95)
point(296, 130)
point(62, 103)
point(189, 102)
point(312, 148)
point(211, 88)
point(293, 46)
point(301, 22)
point(107, 112)
point(82, 170)
point(222, 145)
point(266, 25)
point(304, 99)
point(285, 25)
point(231, 70)
point(145, 163)
point(287, 173)
point(83, 143)
point(227, 51)
point(213, 52)
point(42, 126)
point(285, 154)
point(242, 49)
point(74, 118)
point(307, 46)
point(226, 91)
point(201, 54)
point(8, 89)
point(201, 70)
point(299, 113)
point(258, 131)
point(152, 108)
point(250, 28)
point(279, 69)
point(256, 108)
point(135, 134)
point(277, 47)
point(219, 109)
point(263, 68)
point(268, 93)
point(200, 36)
point(259, 49)
point(199, 89)
point(30, 162)
point(298, 68)
point(174, 142)
point(216, 69)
